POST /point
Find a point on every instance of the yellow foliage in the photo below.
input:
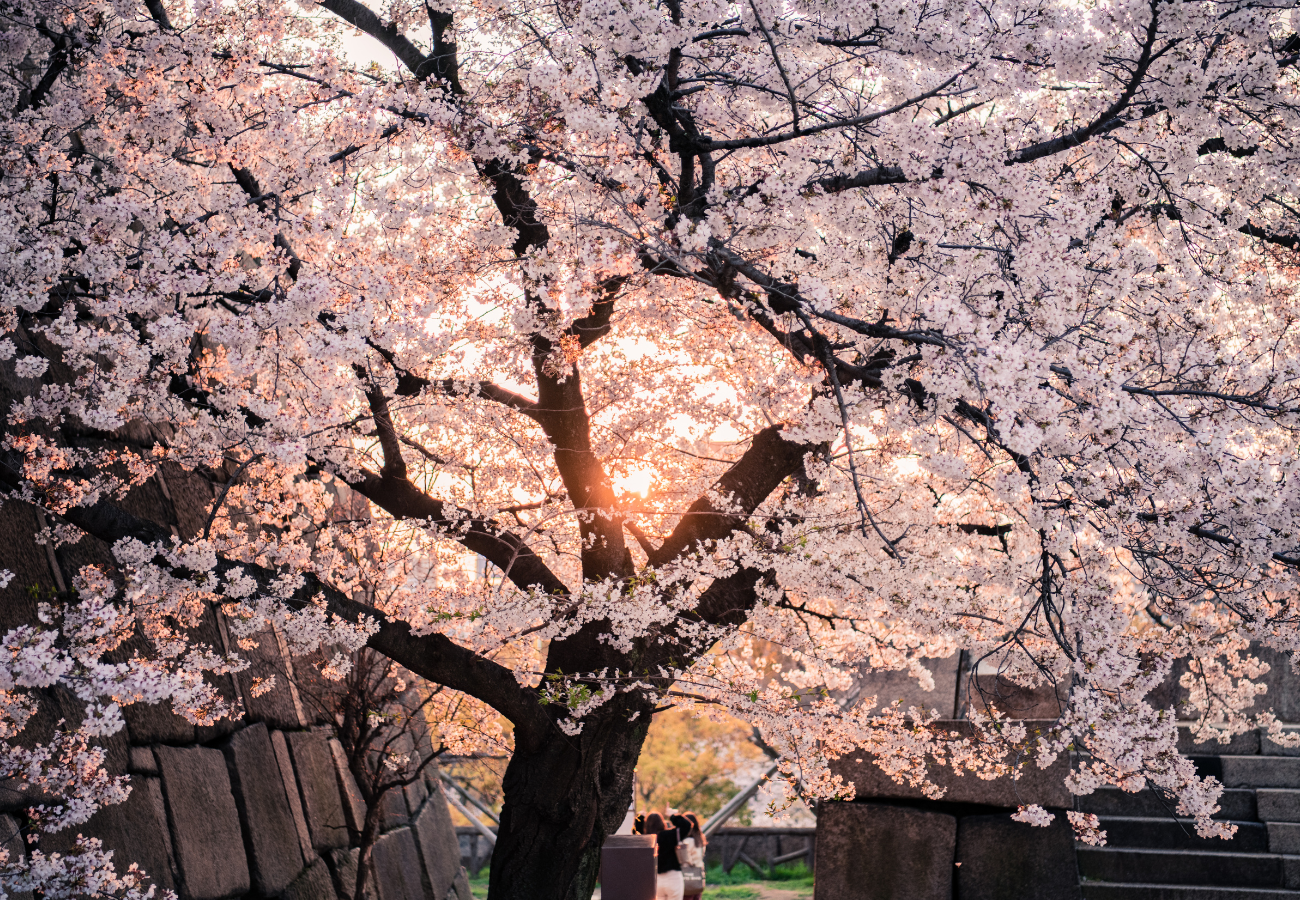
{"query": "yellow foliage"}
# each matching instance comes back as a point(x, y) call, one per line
point(693, 763)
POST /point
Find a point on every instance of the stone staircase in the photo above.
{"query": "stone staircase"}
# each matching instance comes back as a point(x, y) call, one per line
point(1150, 855)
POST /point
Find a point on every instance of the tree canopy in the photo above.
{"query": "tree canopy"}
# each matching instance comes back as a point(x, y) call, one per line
point(872, 331)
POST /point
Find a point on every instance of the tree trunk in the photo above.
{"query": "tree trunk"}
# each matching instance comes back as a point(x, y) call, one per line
point(365, 858)
point(563, 795)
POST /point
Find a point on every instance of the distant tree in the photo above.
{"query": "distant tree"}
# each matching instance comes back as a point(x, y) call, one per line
point(694, 763)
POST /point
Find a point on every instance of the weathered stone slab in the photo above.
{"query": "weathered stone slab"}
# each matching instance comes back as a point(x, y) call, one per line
point(985, 692)
point(285, 765)
point(314, 883)
point(269, 835)
point(204, 823)
point(191, 497)
point(353, 805)
point(1284, 837)
point(1278, 805)
point(868, 851)
point(155, 723)
point(416, 794)
point(1046, 787)
point(461, 887)
point(439, 846)
point(143, 762)
point(1261, 771)
point(899, 685)
point(319, 787)
point(29, 563)
point(392, 806)
point(1001, 859)
point(275, 707)
point(343, 867)
point(397, 867)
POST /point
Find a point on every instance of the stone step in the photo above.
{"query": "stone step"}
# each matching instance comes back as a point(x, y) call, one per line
point(1277, 805)
point(1284, 837)
point(1259, 771)
point(1093, 890)
point(1238, 805)
point(1181, 867)
point(1180, 834)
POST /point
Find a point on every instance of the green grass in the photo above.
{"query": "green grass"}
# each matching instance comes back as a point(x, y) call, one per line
point(731, 892)
point(793, 875)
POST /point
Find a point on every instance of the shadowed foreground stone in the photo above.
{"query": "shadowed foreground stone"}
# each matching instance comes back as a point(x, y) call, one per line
point(438, 844)
point(868, 851)
point(319, 783)
point(1001, 859)
point(343, 866)
point(397, 867)
point(313, 884)
point(135, 830)
point(205, 824)
point(269, 835)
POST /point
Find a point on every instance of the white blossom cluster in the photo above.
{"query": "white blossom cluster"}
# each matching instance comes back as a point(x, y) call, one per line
point(753, 345)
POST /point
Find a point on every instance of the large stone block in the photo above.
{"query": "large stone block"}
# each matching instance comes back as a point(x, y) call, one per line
point(988, 691)
point(313, 884)
point(439, 846)
point(1278, 805)
point(1260, 771)
point(319, 787)
point(1245, 744)
point(416, 794)
point(155, 723)
point(397, 867)
point(899, 685)
point(1284, 837)
point(343, 867)
point(275, 707)
point(270, 838)
point(1272, 748)
point(191, 497)
point(353, 805)
point(392, 810)
point(284, 763)
point(1046, 787)
point(461, 887)
point(204, 823)
point(868, 851)
point(1001, 859)
point(135, 830)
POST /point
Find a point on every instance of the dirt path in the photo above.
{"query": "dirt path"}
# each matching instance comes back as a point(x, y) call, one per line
point(775, 893)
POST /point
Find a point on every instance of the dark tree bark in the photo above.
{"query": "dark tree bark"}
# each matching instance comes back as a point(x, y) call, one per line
point(563, 796)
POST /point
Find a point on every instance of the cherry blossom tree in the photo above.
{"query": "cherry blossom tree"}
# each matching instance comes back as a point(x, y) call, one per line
point(872, 331)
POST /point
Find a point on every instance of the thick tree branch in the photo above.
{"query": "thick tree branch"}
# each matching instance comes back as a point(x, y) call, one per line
point(403, 500)
point(363, 19)
point(769, 460)
point(596, 324)
point(433, 656)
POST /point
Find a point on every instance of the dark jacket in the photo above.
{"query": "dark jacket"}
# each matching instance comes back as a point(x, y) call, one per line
point(668, 841)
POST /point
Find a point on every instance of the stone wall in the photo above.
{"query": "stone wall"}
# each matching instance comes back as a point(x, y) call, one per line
point(260, 813)
point(262, 807)
point(891, 843)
